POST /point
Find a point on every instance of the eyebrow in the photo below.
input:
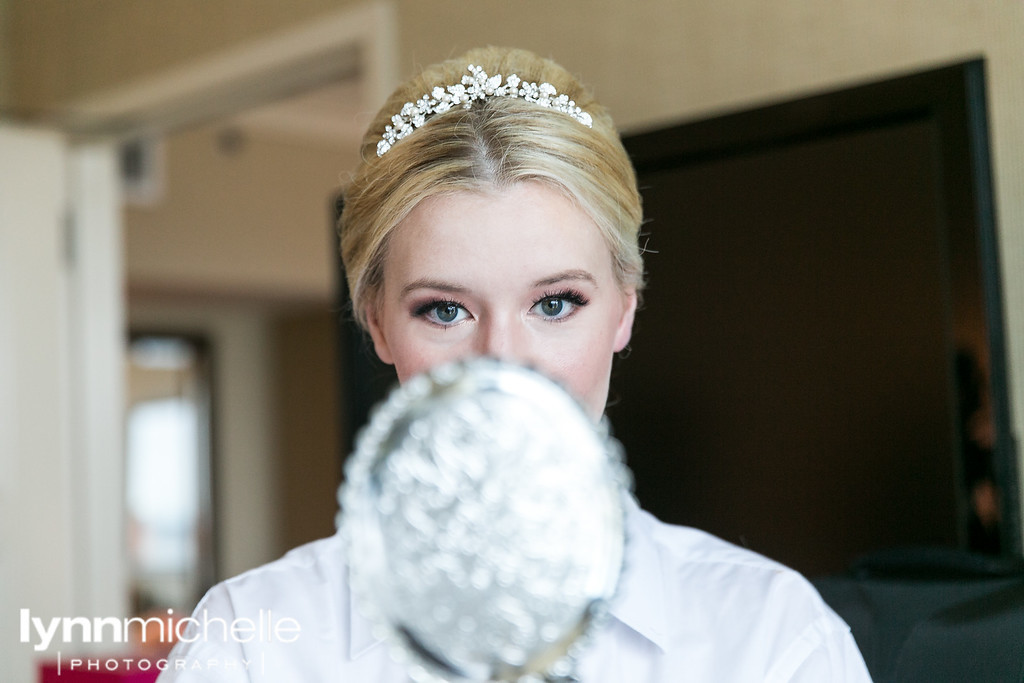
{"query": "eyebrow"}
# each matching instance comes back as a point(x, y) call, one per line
point(574, 274)
point(428, 283)
point(445, 286)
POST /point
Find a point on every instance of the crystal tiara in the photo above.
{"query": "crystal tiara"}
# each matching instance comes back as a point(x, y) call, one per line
point(476, 85)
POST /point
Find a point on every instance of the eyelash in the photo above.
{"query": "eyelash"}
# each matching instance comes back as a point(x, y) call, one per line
point(573, 296)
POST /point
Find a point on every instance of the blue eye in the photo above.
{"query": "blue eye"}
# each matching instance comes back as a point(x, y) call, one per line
point(446, 312)
point(559, 305)
point(551, 307)
point(442, 313)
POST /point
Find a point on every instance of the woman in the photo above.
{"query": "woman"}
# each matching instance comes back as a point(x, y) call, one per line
point(500, 217)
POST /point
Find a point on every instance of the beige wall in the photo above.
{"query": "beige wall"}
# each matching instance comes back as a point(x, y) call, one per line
point(661, 60)
point(250, 220)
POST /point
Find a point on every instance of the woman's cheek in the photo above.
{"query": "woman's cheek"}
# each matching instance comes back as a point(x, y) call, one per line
point(417, 355)
point(578, 368)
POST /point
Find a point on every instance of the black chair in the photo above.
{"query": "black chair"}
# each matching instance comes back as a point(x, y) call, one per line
point(934, 614)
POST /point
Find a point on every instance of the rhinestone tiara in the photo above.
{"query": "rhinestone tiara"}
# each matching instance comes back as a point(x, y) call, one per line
point(476, 85)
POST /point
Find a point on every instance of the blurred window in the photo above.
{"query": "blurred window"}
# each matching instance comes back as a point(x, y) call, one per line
point(167, 473)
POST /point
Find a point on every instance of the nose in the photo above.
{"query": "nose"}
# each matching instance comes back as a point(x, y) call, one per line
point(505, 338)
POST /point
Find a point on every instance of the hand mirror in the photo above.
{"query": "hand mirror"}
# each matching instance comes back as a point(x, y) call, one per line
point(484, 520)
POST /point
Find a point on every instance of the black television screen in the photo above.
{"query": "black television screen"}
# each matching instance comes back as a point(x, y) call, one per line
point(818, 370)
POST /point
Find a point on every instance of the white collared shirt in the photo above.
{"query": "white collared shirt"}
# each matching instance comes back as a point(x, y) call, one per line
point(691, 608)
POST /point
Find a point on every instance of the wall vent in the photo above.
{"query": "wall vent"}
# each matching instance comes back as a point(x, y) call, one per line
point(142, 170)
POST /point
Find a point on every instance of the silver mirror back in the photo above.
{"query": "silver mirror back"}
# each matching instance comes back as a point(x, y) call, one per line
point(483, 513)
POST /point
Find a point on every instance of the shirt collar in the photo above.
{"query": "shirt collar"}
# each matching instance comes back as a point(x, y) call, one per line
point(640, 603)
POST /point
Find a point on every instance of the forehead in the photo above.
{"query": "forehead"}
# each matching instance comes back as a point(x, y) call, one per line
point(530, 225)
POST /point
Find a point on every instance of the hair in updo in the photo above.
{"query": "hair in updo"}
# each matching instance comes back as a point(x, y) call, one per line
point(496, 143)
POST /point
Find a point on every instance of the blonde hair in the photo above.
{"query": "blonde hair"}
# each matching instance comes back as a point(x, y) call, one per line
point(496, 143)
